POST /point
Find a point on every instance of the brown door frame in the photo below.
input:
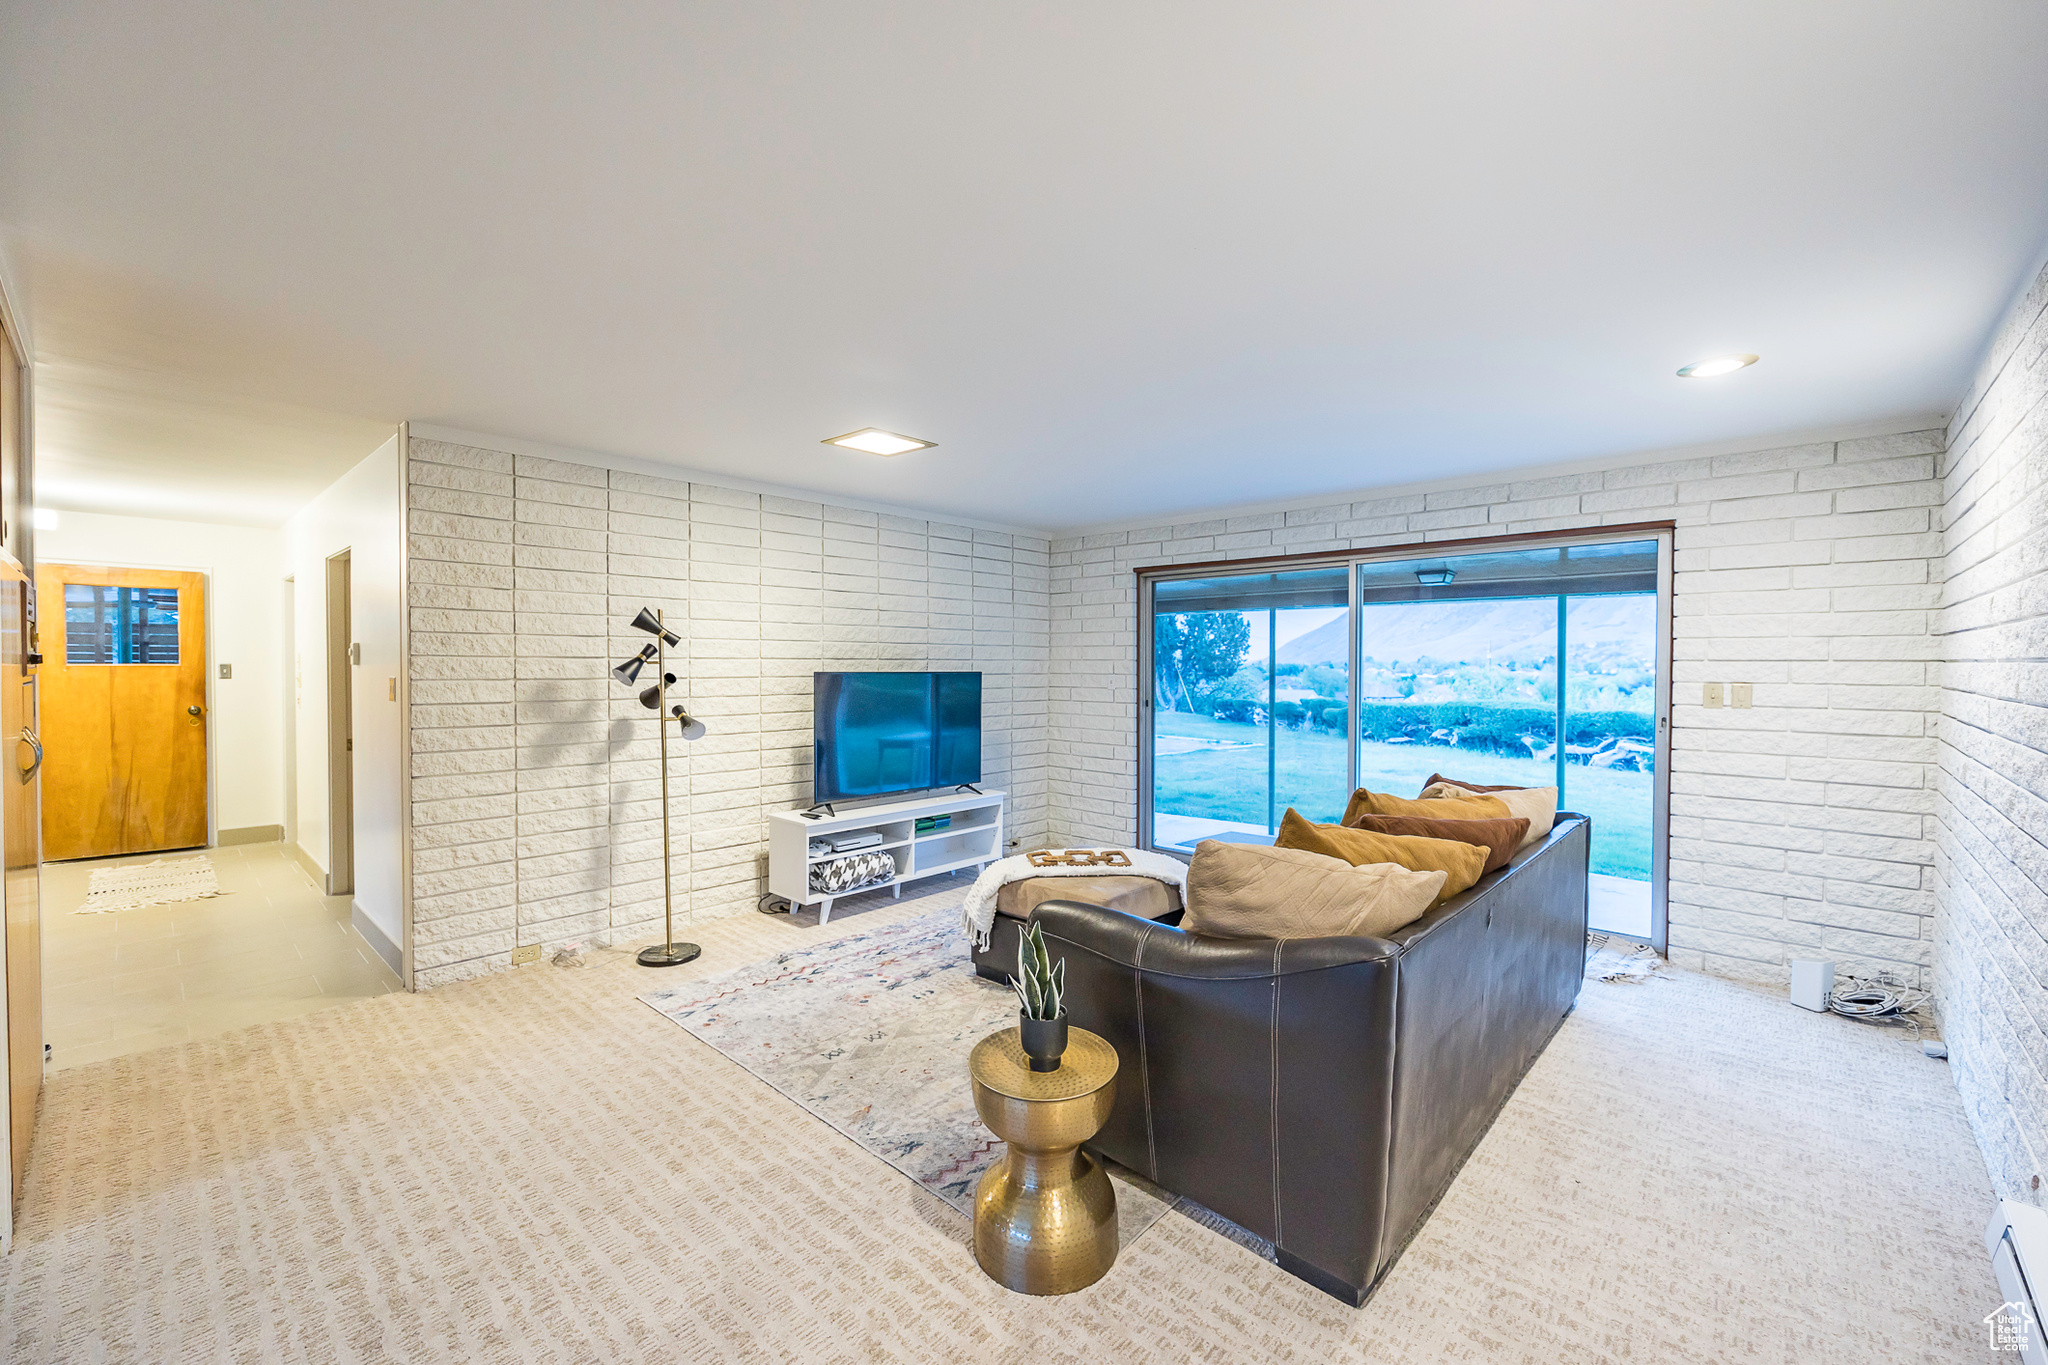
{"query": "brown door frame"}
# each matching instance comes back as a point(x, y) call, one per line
point(23, 877)
point(341, 759)
point(21, 960)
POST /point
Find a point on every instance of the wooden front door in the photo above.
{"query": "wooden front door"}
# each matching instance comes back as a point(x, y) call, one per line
point(124, 709)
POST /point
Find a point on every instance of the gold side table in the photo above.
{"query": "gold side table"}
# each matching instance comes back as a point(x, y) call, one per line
point(1044, 1213)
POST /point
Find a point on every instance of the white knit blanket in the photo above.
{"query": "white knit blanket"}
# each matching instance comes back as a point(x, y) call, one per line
point(979, 911)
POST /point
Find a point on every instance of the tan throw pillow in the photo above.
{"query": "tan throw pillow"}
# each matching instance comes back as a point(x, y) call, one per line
point(1251, 891)
point(1460, 863)
point(1500, 838)
point(1365, 802)
point(1537, 805)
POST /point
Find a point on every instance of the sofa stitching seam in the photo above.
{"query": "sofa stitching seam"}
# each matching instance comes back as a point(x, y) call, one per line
point(1144, 1066)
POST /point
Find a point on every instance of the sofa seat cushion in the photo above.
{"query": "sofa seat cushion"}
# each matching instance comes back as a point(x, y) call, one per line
point(1251, 891)
point(1461, 863)
point(1145, 897)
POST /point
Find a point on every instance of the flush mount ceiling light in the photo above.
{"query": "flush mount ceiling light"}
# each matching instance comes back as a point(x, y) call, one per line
point(876, 441)
point(1718, 366)
point(1435, 578)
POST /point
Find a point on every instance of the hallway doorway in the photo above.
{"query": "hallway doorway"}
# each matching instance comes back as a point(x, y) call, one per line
point(341, 735)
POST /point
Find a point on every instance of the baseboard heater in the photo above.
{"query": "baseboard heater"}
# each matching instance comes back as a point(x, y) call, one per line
point(2017, 1238)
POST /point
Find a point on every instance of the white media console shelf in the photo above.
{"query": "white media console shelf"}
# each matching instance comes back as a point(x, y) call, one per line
point(974, 840)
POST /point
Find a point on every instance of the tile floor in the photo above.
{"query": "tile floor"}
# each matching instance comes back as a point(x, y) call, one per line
point(271, 948)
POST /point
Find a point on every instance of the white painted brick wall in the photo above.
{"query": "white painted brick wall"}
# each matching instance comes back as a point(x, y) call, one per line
point(536, 783)
point(1991, 959)
point(1801, 827)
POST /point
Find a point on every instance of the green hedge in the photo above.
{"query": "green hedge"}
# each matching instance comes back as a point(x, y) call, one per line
point(1490, 729)
point(1497, 729)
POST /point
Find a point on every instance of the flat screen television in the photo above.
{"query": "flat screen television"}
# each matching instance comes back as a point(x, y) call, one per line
point(876, 734)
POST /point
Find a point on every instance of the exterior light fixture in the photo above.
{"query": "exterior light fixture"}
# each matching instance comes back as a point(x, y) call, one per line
point(1435, 578)
point(876, 441)
point(1718, 366)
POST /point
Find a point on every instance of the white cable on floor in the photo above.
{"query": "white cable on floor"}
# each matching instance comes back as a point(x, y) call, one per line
point(1882, 1001)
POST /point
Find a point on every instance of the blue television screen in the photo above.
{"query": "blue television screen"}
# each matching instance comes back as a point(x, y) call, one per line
point(876, 734)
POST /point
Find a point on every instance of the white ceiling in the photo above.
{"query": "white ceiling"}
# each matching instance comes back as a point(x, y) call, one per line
point(1116, 260)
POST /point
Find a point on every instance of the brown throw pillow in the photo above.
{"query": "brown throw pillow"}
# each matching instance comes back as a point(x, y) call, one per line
point(1439, 780)
point(1251, 891)
point(1537, 805)
point(1460, 863)
point(1366, 802)
point(1500, 838)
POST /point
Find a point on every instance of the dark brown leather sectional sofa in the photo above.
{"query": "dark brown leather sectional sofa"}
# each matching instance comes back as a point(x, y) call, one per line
point(1322, 1093)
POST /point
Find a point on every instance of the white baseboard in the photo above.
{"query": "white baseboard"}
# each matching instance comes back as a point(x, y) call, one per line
point(374, 936)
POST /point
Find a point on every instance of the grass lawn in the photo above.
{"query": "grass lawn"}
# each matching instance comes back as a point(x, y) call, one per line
point(1229, 783)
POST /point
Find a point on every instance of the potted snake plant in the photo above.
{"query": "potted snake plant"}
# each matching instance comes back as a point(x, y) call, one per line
point(1041, 986)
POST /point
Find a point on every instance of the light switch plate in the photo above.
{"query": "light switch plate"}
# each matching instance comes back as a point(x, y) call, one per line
point(1739, 695)
point(227, 670)
point(1710, 694)
point(525, 953)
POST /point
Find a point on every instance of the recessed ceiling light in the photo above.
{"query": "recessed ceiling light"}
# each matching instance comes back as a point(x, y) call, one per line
point(1715, 368)
point(876, 441)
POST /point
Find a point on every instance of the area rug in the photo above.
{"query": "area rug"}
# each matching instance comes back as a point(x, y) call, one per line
point(156, 883)
point(871, 1034)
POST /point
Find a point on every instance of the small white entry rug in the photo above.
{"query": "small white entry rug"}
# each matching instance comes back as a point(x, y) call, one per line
point(157, 883)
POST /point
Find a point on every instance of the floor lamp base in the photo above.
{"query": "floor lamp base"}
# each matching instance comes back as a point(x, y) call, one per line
point(669, 954)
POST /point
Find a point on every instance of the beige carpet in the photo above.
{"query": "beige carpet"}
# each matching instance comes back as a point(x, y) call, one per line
point(537, 1167)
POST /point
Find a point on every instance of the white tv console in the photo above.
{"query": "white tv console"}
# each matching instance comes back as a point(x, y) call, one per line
point(974, 840)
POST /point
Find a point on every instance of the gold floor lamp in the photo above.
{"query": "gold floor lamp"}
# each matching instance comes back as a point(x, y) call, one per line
point(668, 953)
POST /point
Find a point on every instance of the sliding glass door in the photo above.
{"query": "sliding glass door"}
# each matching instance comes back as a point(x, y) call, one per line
point(1250, 699)
point(1608, 769)
point(1531, 666)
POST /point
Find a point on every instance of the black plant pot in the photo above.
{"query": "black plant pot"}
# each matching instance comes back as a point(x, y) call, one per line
point(1044, 1040)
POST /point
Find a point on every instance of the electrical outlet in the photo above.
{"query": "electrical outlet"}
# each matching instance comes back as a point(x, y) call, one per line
point(1740, 695)
point(525, 953)
point(1710, 694)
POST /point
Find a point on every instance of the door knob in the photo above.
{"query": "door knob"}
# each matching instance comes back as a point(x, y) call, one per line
point(193, 712)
